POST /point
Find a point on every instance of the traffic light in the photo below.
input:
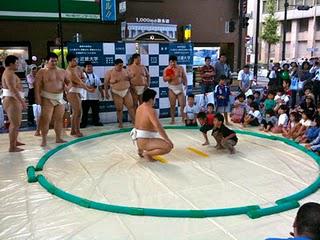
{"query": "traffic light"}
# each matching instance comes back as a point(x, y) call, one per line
point(303, 7)
point(232, 26)
point(245, 22)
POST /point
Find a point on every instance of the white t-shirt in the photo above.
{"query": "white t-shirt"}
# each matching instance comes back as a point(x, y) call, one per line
point(305, 123)
point(283, 119)
point(245, 78)
point(92, 80)
point(283, 98)
point(257, 114)
point(191, 111)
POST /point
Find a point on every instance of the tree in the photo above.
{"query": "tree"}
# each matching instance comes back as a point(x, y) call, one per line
point(270, 26)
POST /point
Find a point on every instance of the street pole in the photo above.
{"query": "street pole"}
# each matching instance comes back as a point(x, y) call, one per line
point(60, 33)
point(256, 47)
point(285, 25)
point(240, 35)
point(314, 27)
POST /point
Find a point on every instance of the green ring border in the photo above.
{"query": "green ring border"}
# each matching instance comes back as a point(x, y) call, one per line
point(252, 211)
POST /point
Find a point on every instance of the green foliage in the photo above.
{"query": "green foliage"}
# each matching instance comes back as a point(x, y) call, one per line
point(270, 26)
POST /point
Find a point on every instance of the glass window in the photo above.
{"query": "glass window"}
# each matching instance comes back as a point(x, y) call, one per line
point(299, 2)
point(264, 6)
point(281, 5)
point(289, 25)
point(303, 25)
point(318, 23)
point(308, 2)
point(291, 4)
point(318, 2)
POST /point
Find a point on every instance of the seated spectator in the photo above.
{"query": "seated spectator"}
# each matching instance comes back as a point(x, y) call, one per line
point(303, 125)
point(269, 103)
point(249, 100)
point(281, 99)
point(191, 111)
point(294, 119)
point(257, 97)
point(308, 104)
point(282, 120)
point(314, 145)
point(312, 132)
point(269, 121)
point(306, 225)
point(239, 109)
point(254, 116)
point(206, 122)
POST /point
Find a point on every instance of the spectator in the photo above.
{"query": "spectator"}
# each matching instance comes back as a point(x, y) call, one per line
point(191, 111)
point(223, 68)
point(291, 128)
point(282, 120)
point(245, 78)
point(91, 100)
point(207, 75)
point(222, 97)
point(269, 121)
point(239, 109)
point(254, 116)
point(306, 225)
point(31, 77)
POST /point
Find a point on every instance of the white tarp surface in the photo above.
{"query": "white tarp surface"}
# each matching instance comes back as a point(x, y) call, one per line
point(108, 170)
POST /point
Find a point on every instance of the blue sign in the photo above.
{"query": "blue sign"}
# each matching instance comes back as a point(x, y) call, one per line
point(184, 53)
point(87, 51)
point(108, 10)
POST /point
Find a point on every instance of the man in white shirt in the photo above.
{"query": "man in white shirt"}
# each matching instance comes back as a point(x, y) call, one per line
point(91, 100)
point(31, 77)
point(245, 78)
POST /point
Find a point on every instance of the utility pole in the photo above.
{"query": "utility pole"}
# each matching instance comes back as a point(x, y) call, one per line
point(256, 47)
point(314, 27)
point(240, 34)
point(285, 25)
point(60, 35)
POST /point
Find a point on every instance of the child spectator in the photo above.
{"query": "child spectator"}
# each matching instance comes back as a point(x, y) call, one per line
point(250, 99)
point(239, 109)
point(281, 99)
point(304, 123)
point(254, 116)
point(257, 97)
point(314, 145)
point(269, 103)
point(222, 97)
point(282, 121)
point(269, 121)
point(312, 132)
point(206, 122)
point(225, 137)
point(294, 119)
point(286, 86)
point(191, 111)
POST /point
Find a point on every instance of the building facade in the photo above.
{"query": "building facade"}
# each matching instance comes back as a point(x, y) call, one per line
point(207, 18)
point(303, 31)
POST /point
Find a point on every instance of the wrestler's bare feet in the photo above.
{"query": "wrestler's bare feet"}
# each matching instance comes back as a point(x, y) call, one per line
point(120, 125)
point(172, 122)
point(140, 153)
point(60, 141)
point(16, 149)
point(79, 134)
point(43, 144)
point(73, 132)
point(20, 143)
point(205, 143)
point(37, 134)
point(218, 147)
point(148, 157)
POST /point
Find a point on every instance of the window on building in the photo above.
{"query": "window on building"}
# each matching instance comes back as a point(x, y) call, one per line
point(299, 2)
point(318, 2)
point(291, 4)
point(281, 5)
point(308, 2)
point(318, 23)
point(303, 25)
point(289, 25)
point(264, 6)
